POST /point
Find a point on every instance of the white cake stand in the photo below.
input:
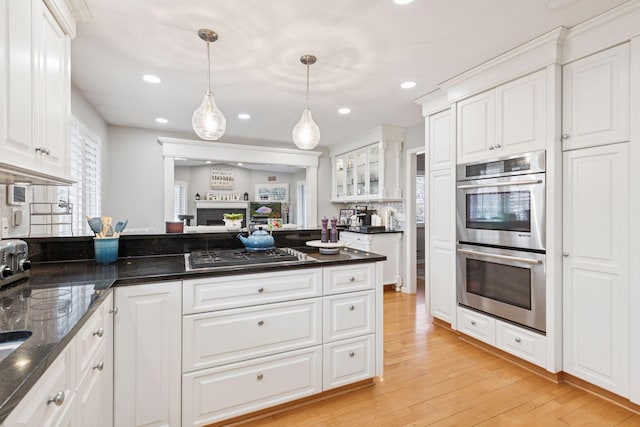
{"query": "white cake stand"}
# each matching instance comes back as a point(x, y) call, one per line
point(327, 248)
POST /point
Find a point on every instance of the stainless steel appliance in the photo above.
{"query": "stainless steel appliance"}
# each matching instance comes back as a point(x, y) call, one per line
point(14, 262)
point(229, 257)
point(505, 283)
point(502, 202)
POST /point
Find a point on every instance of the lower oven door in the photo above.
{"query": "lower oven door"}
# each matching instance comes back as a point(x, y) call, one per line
point(505, 283)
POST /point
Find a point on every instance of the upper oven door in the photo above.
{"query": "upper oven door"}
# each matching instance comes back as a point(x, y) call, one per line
point(505, 211)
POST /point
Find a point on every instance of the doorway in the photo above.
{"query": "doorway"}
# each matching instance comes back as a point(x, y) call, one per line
point(415, 212)
point(421, 215)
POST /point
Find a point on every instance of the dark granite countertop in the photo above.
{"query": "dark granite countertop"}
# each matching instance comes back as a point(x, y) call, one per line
point(59, 297)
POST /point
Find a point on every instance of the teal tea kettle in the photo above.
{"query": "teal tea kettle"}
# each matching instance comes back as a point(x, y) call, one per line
point(259, 240)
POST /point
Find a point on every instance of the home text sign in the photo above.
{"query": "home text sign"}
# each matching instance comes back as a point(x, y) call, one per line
point(221, 178)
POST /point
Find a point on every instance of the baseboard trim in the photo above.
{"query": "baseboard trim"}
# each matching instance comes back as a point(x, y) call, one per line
point(557, 378)
point(264, 413)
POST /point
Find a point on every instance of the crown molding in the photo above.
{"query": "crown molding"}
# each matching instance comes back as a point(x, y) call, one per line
point(433, 102)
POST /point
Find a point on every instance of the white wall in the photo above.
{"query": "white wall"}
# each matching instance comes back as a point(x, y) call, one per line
point(325, 207)
point(414, 136)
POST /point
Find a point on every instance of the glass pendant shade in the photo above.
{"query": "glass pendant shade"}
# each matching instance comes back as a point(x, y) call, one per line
point(208, 121)
point(306, 134)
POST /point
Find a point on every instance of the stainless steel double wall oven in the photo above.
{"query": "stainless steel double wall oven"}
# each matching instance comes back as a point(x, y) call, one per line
point(501, 238)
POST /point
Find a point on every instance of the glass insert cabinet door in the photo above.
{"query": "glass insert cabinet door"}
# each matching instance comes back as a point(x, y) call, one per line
point(361, 171)
point(373, 153)
point(350, 175)
point(340, 190)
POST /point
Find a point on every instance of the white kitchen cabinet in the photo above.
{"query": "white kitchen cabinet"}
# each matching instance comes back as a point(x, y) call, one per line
point(595, 98)
point(348, 278)
point(349, 315)
point(51, 402)
point(148, 350)
point(442, 154)
point(215, 394)
point(348, 361)
point(94, 346)
point(441, 269)
point(509, 119)
point(226, 336)
point(368, 168)
point(387, 244)
point(596, 266)
point(477, 325)
point(35, 92)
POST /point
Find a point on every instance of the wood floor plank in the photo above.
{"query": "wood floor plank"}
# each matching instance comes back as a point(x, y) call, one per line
point(433, 378)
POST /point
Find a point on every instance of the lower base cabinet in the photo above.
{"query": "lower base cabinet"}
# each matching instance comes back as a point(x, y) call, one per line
point(348, 361)
point(507, 337)
point(215, 394)
point(148, 351)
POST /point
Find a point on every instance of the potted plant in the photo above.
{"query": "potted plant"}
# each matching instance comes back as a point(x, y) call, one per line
point(233, 221)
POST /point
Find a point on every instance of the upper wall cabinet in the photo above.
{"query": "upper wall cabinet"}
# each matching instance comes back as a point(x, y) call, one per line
point(34, 92)
point(595, 98)
point(509, 119)
point(371, 171)
point(441, 149)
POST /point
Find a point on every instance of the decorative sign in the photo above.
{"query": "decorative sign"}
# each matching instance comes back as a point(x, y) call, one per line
point(271, 178)
point(221, 178)
point(272, 192)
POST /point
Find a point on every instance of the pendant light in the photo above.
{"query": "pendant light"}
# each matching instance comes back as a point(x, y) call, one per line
point(208, 121)
point(306, 133)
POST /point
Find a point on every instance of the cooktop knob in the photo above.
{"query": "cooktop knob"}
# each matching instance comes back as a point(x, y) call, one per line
point(25, 265)
point(5, 272)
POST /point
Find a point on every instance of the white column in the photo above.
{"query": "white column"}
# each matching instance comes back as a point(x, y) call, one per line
point(312, 196)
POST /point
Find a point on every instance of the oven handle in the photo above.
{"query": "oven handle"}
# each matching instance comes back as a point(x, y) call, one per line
point(501, 184)
point(502, 257)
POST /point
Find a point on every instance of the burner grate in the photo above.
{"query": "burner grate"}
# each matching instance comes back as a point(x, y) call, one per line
point(227, 257)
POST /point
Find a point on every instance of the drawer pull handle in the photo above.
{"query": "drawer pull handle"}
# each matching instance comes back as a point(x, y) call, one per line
point(352, 279)
point(58, 399)
point(352, 353)
point(260, 377)
point(260, 323)
point(114, 311)
point(565, 136)
point(99, 332)
point(473, 322)
point(518, 339)
point(352, 307)
point(261, 290)
point(99, 366)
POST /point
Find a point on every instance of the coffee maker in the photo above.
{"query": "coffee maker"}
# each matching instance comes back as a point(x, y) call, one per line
point(363, 215)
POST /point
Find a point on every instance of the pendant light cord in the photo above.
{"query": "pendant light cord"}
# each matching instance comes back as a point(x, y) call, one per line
point(209, 69)
point(307, 104)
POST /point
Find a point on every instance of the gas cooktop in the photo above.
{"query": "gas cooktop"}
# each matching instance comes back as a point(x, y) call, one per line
point(228, 257)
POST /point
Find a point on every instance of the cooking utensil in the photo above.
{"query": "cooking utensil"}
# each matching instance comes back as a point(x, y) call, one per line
point(120, 226)
point(96, 225)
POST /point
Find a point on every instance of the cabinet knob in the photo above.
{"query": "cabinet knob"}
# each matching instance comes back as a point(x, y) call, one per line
point(58, 399)
point(352, 353)
point(260, 377)
point(113, 311)
point(99, 332)
point(261, 322)
point(565, 254)
point(518, 339)
point(43, 151)
point(565, 136)
point(261, 290)
point(491, 147)
point(352, 279)
point(99, 366)
point(352, 307)
point(473, 322)
point(498, 145)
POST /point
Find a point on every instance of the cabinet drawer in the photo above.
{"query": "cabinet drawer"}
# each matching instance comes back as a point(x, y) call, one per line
point(525, 344)
point(348, 315)
point(349, 278)
point(228, 391)
point(93, 391)
point(59, 378)
point(217, 293)
point(92, 337)
point(477, 325)
point(348, 361)
point(220, 337)
point(357, 238)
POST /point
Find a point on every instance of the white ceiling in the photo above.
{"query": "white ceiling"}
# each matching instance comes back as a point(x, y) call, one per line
point(365, 49)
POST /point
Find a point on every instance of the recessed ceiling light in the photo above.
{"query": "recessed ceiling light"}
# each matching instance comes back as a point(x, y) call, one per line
point(208, 162)
point(408, 85)
point(403, 2)
point(344, 110)
point(239, 164)
point(180, 158)
point(161, 120)
point(244, 116)
point(150, 78)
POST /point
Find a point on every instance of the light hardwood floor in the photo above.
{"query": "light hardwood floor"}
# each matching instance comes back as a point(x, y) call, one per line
point(433, 378)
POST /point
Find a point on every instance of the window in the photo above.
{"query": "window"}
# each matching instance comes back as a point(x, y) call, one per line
point(301, 204)
point(179, 199)
point(420, 199)
point(86, 169)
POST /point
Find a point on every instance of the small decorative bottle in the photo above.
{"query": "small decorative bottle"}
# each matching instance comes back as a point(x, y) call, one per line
point(246, 196)
point(324, 234)
point(334, 231)
point(197, 196)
